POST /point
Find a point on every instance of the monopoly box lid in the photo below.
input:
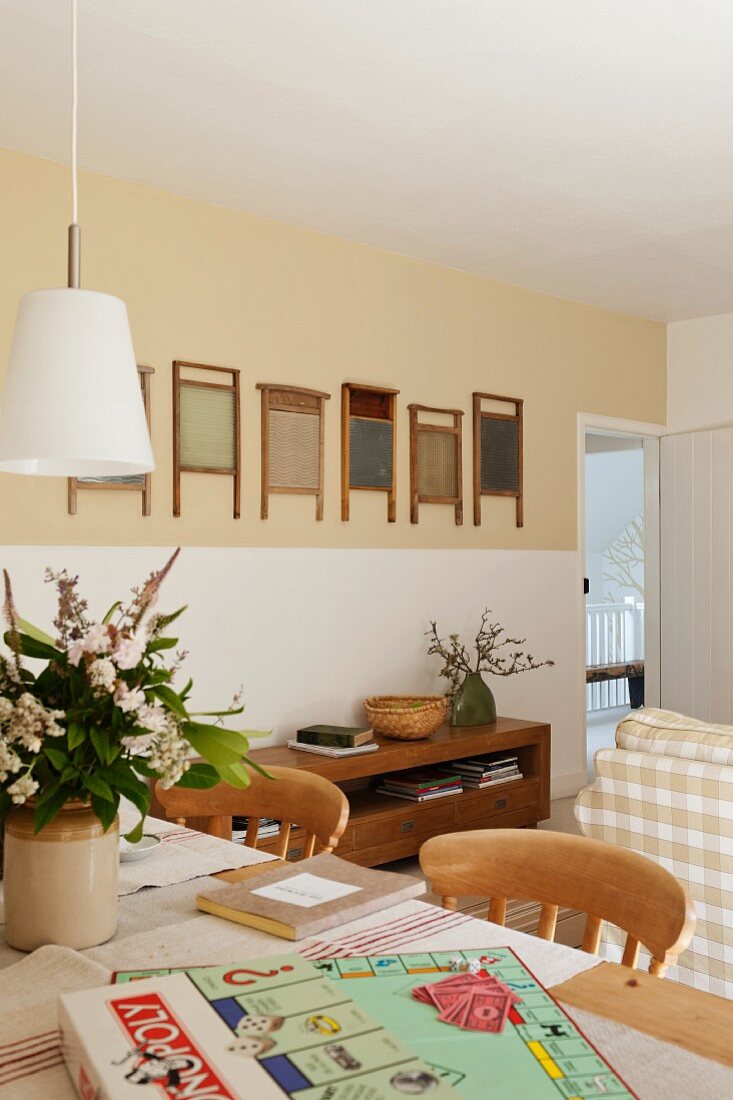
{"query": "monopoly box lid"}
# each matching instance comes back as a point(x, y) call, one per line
point(269, 1029)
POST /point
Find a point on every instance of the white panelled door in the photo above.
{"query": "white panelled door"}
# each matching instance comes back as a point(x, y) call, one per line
point(696, 486)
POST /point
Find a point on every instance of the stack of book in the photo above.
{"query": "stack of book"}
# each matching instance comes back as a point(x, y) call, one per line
point(420, 785)
point(485, 771)
point(335, 740)
point(268, 828)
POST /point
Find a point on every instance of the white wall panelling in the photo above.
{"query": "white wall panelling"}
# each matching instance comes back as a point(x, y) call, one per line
point(309, 632)
point(696, 564)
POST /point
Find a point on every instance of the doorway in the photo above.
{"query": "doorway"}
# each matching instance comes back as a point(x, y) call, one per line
point(619, 557)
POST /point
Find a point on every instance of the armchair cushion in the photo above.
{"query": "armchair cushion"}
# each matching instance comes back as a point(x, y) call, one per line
point(665, 733)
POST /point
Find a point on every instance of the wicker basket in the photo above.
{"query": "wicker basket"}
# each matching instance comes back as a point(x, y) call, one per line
point(406, 717)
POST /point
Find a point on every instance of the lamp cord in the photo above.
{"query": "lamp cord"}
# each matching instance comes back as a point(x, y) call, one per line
point(74, 107)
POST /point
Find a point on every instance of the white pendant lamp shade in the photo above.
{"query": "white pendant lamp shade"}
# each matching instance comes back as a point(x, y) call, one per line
point(71, 403)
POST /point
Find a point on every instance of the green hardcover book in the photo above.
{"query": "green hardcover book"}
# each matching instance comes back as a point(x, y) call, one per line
point(337, 737)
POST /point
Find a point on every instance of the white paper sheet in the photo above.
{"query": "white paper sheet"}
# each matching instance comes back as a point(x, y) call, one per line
point(306, 890)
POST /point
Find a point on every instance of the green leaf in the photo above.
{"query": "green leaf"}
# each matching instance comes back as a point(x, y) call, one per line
point(46, 810)
point(58, 758)
point(47, 792)
point(236, 775)
point(100, 740)
point(215, 713)
point(217, 745)
point(29, 647)
point(257, 768)
point(98, 788)
point(135, 835)
point(34, 632)
point(105, 811)
point(170, 699)
point(184, 694)
point(164, 621)
point(199, 777)
point(140, 766)
point(162, 643)
point(76, 735)
point(110, 613)
point(67, 774)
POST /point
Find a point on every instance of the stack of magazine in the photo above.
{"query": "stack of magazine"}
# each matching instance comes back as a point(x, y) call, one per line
point(420, 784)
point(268, 828)
point(479, 772)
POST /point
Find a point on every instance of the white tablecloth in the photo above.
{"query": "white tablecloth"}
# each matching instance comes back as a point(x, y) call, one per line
point(161, 927)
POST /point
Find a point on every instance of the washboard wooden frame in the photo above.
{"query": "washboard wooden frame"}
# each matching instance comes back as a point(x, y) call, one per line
point(498, 480)
point(140, 484)
point(424, 436)
point(290, 404)
point(368, 443)
point(233, 469)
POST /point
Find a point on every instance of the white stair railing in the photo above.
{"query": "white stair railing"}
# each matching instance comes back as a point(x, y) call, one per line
point(614, 632)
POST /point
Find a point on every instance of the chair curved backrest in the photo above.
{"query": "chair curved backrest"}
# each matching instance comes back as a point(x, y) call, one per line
point(600, 879)
point(315, 804)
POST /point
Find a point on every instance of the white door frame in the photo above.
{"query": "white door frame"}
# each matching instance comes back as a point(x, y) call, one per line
point(618, 426)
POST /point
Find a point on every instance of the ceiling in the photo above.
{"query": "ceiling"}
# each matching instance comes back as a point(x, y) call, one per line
point(580, 147)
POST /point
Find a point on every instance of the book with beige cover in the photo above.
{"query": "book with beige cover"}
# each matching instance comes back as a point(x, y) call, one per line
point(303, 899)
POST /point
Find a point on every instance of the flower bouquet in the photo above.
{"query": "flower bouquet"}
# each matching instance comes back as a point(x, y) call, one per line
point(101, 717)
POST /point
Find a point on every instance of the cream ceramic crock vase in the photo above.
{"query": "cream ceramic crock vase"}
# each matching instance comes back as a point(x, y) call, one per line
point(61, 883)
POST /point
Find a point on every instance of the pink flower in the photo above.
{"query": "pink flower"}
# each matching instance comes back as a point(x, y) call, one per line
point(127, 653)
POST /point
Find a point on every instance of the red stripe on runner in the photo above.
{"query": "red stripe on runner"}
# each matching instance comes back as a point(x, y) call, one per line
point(39, 1054)
point(372, 941)
point(30, 1072)
point(29, 1039)
point(407, 918)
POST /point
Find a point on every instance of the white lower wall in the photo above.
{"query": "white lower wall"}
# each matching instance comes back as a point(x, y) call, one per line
point(310, 632)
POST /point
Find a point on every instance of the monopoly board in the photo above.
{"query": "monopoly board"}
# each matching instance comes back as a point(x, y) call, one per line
point(540, 1054)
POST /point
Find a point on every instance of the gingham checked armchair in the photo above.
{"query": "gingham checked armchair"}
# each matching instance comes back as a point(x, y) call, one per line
point(666, 791)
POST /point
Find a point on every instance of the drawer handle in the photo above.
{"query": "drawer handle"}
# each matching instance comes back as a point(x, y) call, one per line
point(500, 804)
point(294, 853)
point(407, 826)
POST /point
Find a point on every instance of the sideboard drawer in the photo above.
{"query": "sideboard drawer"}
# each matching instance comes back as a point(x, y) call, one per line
point(417, 820)
point(503, 798)
point(346, 842)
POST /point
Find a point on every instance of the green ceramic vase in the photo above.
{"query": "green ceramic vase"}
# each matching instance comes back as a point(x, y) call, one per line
point(474, 704)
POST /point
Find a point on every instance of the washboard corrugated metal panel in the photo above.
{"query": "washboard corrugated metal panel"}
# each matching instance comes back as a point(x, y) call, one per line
point(207, 427)
point(437, 464)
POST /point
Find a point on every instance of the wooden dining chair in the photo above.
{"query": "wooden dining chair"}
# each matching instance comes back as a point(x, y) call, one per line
point(599, 879)
point(318, 807)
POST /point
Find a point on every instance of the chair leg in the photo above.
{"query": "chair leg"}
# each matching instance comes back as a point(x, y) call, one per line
point(592, 935)
point(548, 921)
point(631, 953)
point(497, 911)
point(449, 903)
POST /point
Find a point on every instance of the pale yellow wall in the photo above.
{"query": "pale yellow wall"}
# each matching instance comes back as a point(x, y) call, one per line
point(286, 305)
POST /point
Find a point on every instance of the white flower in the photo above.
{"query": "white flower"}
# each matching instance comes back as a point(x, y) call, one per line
point(103, 674)
point(10, 762)
point(22, 789)
point(53, 729)
point(154, 719)
point(127, 653)
point(169, 755)
point(96, 639)
point(75, 652)
point(6, 709)
point(129, 699)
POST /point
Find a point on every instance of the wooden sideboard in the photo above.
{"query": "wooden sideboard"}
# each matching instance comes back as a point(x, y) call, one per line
point(382, 829)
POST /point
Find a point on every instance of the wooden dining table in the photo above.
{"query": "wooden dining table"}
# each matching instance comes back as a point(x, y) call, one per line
point(664, 1039)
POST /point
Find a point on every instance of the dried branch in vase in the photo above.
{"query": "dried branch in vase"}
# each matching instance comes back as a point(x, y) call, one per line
point(495, 652)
